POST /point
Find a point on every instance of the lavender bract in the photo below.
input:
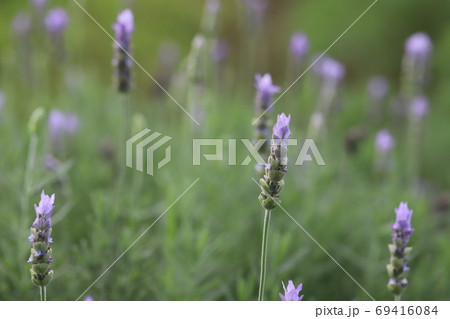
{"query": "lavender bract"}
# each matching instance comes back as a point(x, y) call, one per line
point(384, 141)
point(291, 293)
point(41, 253)
point(397, 269)
point(330, 69)
point(122, 62)
point(418, 46)
point(56, 21)
point(299, 46)
point(265, 89)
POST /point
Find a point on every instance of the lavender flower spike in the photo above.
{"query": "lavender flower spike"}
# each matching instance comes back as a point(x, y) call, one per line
point(56, 21)
point(299, 46)
point(123, 28)
point(397, 269)
point(276, 169)
point(291, 293)
point(41, 252)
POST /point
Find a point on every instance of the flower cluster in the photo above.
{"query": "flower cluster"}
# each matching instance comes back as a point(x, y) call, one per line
point(41, 253)
point(123, 28)
point(397, 269)
point(276, 168)
point(291, 293)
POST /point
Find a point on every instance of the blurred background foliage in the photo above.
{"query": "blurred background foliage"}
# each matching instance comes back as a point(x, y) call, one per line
point(207, 246)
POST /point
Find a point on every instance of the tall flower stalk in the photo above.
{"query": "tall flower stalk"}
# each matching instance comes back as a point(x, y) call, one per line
point(122, 63)
point(41, 253)
point(271, 186)
point(397, 269)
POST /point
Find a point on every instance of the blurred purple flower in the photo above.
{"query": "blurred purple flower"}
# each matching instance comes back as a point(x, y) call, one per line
point(257, 7)
point(265, 88)
point(56, 20)
point(221, 51)
point(61, 123)
point(291, 293)
point(378, 87)
point(124, 28)
point(419, 107)
point(299, 46)
point(39, 3)
point(281, 131)
point(51, 163)
point(384, 141)
point(330, 69)
point(418, 46)
point(402, 226)
point(21, 23)
point(88, 298)
point(213, 5)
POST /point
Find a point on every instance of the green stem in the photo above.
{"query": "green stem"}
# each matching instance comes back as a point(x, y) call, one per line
point(124, 137)
point(397, 298)
point(43, 293)
point(262, 278)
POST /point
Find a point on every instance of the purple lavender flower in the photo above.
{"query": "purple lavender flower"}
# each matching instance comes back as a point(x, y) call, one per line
point(402, 226)
point(384, 141)
point(378, 87)
point(265, 89)
point(299, 46)
point(21, 23)
point(123, 28)
point(281, 131)
point(397, 268)
point(291, 293)
point(419, 107)
point(56, 21)
point(41, 253)
point(88, 298)
point(330, 69)
point(418, 46)
point(61, 124)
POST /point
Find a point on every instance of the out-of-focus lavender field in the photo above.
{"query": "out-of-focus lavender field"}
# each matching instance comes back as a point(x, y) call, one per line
point(366, 81)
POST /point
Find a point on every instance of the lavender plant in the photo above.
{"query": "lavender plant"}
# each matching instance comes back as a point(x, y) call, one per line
point(41, 253)
point(123, 28)
point(272, 185)
point(291, 292)
point(265, 90)
point(397, 269)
